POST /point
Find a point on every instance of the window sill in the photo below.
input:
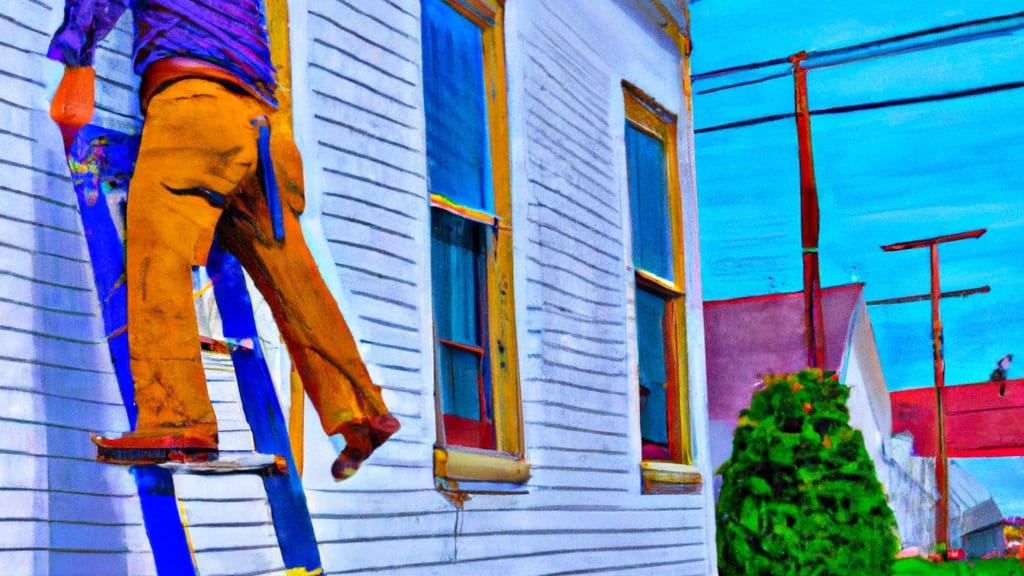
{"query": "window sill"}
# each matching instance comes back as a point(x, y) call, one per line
point(660, 477)
point(455, 464)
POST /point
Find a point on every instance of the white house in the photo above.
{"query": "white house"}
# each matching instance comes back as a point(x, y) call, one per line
point(587, 246)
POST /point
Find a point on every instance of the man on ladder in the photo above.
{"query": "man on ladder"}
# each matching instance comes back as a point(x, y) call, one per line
point(212, 159)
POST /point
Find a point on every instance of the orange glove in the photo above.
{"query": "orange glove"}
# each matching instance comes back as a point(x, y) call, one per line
point(74, 101)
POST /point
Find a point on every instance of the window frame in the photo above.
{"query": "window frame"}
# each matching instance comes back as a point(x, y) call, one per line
point(678, 474)
point(457, 468)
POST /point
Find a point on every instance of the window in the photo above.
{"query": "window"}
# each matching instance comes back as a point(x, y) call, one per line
point(479, 414)
point(656, 218)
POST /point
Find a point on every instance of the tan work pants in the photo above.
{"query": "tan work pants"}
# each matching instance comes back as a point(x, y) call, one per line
point(196, 174)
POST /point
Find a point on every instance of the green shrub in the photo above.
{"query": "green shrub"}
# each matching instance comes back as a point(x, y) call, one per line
point(799, 494)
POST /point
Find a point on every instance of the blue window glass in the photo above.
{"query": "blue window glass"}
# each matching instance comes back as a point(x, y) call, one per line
point(458, 271)
point(458, 152)
point(648, 203)
point(650, 334)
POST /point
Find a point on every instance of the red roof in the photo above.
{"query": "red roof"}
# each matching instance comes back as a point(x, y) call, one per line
point(979, 420)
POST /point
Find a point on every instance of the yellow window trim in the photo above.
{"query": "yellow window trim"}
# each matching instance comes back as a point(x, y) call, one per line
point(668, 288)
point(647, 115)
point(444, 203)
point(458, 463)
point(483, 13)
point(506, 463)
point(670, 477)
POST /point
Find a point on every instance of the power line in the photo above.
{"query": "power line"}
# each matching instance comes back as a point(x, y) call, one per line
point(968, 31)
point(868, 106)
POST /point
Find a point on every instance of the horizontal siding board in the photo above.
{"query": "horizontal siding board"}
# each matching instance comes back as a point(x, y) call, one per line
point(544, 477)
point(23, 534)
point(562, 437)
point(25, 561)
point(548, 161)
point(32, 20)
point(596, 309)
point(334, 82)
point(214, 540)
point(366, 35)
point(570, 95)
point(336, 506)
point(411, 476)
point(581, 542)
point(54, 353)
point(552, 456)
point(344, 58)
point(49, 172)
point(235, 562)
point(586, 394)
point(356, 557)
point(581, 272)
point(87, 475)
point(573, 417)
point(61, 383)
point(347, 195)
point(94, 508)
point(408, 531)
point(336, 133)
point(383, 199)
point(24, 471)
point(560, 356)
point(46, 270)
point(552, 232)
point(567, 520)
point(607, 382)
point(89, 563)
point(58, 441)
point(589, 153)
point(25, 318)
point(26, 505)
point(87, 536)
point(556, 204)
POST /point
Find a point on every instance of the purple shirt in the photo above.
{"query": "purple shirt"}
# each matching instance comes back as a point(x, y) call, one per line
point(229, 33)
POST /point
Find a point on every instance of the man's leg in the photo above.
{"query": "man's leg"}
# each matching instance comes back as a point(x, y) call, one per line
point(196, 147)
point(318, 338)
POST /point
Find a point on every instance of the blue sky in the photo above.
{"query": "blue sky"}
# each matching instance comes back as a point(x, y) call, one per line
point(884, 176)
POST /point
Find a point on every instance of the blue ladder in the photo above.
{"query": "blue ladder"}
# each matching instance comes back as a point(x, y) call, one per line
point(101, 162)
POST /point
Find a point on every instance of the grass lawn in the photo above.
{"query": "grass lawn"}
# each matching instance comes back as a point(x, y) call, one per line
point(995, 567)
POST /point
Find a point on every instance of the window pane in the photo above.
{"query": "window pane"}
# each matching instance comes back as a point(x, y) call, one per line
point(650, 334)
point(458, 261)
point(460, 382)
point(648, 203)
point(458, 163)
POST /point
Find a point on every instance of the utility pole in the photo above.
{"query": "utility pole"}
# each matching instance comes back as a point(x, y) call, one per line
point(935, 295)
point(814, 325)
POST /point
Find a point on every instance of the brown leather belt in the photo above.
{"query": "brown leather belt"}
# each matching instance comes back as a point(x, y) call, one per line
point(162, 73)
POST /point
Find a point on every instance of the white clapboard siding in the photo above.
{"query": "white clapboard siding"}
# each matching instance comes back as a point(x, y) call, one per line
point(76, 515)
point(582, 512)
point(69, 514)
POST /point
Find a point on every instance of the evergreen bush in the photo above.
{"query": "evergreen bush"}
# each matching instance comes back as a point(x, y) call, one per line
point(799, 494)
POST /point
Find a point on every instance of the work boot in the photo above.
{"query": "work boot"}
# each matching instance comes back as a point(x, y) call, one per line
point(166, 444)
point(361, 439)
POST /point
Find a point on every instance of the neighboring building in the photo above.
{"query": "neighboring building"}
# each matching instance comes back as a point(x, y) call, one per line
point(976, 523)
point(750, 337)
point(747, 338)
point(547, 146)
